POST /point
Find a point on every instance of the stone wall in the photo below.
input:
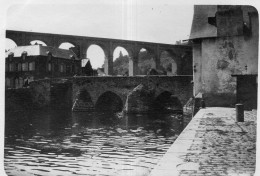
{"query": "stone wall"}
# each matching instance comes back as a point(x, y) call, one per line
point(18, 100)
point(41, 93)
point(84, 93)
point(140, 100)
point(180, 86)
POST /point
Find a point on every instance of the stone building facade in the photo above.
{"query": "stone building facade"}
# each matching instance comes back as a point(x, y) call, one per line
point(26, 63)
point(225, 43)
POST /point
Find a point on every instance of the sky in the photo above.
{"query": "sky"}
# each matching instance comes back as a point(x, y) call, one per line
point(149, 21)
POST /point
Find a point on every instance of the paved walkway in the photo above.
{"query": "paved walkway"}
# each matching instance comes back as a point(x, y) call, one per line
point(213, 143)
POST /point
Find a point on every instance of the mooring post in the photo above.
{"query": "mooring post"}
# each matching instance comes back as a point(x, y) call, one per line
point(202, 103)
point(240, 112)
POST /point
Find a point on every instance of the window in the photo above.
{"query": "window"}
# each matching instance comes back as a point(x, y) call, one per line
point(25, 66)
point(8, 82)
point(16, 67)
point(212, 21)
point(11, 67)
point(31, 66)
point(68, 68)
point(49, 67)
point(62, 68)
point(19, 67)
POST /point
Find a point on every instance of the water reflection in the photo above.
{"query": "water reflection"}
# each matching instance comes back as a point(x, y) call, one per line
point(66, 143)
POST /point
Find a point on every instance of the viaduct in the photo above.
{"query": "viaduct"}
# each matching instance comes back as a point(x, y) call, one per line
point(82, 43)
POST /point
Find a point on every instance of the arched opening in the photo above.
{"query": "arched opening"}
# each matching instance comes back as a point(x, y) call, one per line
point(9, 44)
point(66, 45)
point(69, 46)
point(168, 63)
point(120, 61)
point(145, 62)
point(96, 55)
point(166, 102)
point(38, 42)
point(110, 102)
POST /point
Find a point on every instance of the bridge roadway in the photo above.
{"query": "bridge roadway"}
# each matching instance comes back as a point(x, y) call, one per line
point(89, 91)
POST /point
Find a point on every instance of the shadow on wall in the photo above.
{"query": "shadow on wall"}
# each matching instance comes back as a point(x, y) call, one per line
point(166, 102)
point(219, 100)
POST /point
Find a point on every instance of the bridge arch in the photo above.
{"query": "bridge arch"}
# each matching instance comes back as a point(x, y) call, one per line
point(170, 62)
point(146, 60)
point(109, 101)
point(97, 54)
point(33, 42)
point(166, 101)
point(9, 44)
point(121, 61)
point(66, 45)
point(83, 101)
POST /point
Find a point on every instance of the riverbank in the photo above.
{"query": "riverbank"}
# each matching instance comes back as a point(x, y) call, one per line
point(213, 143)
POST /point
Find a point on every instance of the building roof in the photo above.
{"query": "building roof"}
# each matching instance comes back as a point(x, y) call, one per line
point(39, 50)
point(229, 20)
point(85, 62)
point(200, 27)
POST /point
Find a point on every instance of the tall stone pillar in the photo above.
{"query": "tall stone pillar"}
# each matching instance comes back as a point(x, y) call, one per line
point(109, 64)
point(156, 61)
point(83, 50)
point(156, 58)
point(133, 65)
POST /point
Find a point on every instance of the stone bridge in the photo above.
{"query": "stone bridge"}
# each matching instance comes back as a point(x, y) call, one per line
point(88, 93)
point(182, 54)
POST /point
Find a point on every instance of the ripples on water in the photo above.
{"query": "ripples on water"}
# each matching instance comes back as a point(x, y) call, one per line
point(66, 143)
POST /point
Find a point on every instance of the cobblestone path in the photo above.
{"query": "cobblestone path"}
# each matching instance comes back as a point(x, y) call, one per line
point(213, 143)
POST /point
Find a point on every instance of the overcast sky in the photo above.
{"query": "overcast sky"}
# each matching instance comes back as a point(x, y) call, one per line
point(163, 22)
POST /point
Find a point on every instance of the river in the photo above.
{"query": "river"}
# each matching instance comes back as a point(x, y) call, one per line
point(64, 143)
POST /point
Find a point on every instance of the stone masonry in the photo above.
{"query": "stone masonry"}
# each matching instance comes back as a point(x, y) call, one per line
point(94, 88)
point(180, 86)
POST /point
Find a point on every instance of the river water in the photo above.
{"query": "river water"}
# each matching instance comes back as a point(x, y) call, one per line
point(65, 143)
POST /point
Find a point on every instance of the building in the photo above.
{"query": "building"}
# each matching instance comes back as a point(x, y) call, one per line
point(101, 72)
point(87, 69)
point(225, 47)
point(27, 63)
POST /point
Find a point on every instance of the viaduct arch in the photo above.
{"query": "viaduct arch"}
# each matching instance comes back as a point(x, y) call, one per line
point(108, 45)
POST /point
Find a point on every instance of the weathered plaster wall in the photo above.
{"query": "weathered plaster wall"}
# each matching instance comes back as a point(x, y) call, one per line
point(217, 59)
point(234, 50)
